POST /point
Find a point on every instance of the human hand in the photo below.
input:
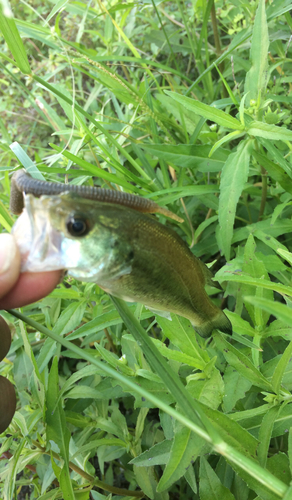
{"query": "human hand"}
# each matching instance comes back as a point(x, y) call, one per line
point(17, 290)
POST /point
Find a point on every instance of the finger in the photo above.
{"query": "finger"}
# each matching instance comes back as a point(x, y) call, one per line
point(9, 263)
point(30, 288)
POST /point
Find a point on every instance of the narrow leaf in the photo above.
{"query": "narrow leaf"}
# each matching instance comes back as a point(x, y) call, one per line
point(208, 112)
point(281, 311)
point(256, 78)
point(236, 386)
point(181, 333)
point(280, 368)
point(185, 448)
point(156, 455)
point(275, 171)
point(266, 433)
point(25, 160)
point(14, 42)
point(167, 375)
point(210, 484)
point(70, 318)
point(5, 217)
point(234, 176)
point(241, 362)
point(189, 156)
point(256, 268)
point(267, 131)
point(57, 430)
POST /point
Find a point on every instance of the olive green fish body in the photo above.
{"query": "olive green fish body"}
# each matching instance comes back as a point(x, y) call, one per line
point(129, 254)
point(166, 275)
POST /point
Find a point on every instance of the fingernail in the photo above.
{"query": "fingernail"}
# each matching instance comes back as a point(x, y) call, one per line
point(7, 252)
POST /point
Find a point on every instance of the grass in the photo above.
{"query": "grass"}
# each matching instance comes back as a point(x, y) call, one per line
point(187, 104)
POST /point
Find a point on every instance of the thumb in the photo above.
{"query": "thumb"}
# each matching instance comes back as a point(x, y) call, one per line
point(9, 263)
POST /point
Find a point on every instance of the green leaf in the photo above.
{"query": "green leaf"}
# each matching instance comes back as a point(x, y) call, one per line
point(185, 448)
point(57, 430)
point(240, 458)
point(290, 449)
point(209, 112)
point(275, 171)
point(234, 176)
point(226, 138)
point(278, 465)
point(255, 267)
point(278, 329)
point(179, 356)
point(181, 333)
point(59, 6)
point(260, 282)
point(5, 217)
point(183, 191)
point(241, 362)
point(256, 79)
point(146, 479)
point(113, 360)
point(281, 311)
point(156, 455)
point(83, 392)
point(251, 419)
point(210, 484)
point(239, 325)
point(9, 485)
point(94, 170)
point(14, 42)
point(95, 443)
point(285, 254)
point(231, 95)
point(189, 156)
point(232, 433)
point(266, 433)
point(209, 391)
point(277, 156)
point(267, 131)
point(280, 369)
point(168, 376)
point(98, 125)
point(236, 386)
point(70, 318)
point(28, 164)
point(281, 226)
point(191, 478)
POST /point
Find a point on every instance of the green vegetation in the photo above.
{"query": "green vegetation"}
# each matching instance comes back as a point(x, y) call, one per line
point(187, 103)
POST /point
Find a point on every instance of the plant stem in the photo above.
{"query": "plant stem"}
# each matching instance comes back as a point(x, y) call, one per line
point(217, 43)
point(216, 36)
point(264, 192)
point(91, 479)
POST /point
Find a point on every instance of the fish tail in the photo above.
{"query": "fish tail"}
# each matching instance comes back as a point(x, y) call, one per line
point(219, 321)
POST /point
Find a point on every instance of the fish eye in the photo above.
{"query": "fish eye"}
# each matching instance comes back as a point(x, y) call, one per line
point(77, 225)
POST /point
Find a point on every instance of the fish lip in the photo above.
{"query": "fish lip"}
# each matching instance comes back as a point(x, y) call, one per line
point(38, 242)
point(45, 246)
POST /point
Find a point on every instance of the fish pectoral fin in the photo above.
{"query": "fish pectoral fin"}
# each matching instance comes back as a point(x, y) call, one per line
point(162, 314)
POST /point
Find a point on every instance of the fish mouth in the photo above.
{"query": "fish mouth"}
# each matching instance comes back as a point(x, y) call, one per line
point(38, 242)
point(44, 246)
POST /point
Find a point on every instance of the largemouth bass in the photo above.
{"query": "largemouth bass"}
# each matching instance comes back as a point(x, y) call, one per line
point(128, 253)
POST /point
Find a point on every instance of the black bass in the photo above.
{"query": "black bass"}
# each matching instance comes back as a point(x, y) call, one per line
point(127, 253)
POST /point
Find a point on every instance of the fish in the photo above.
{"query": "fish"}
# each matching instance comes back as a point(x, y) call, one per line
point(128, 253)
